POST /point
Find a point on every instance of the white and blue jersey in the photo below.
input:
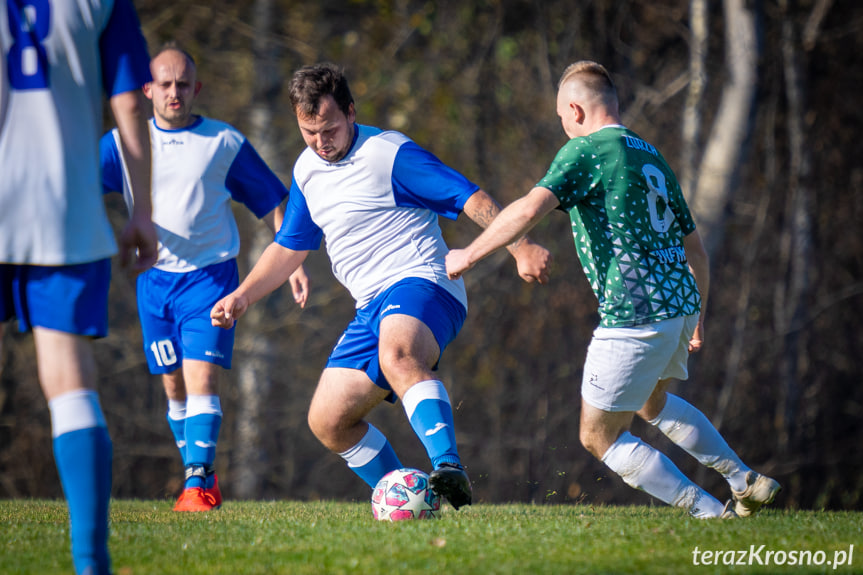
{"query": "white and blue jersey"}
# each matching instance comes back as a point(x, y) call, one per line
point(377, 208)
point(197, 171)
point(56, 57)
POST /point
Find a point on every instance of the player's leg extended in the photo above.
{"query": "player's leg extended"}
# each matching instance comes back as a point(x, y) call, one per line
point(342, 399)
point(687, 427)
point(690, 429)
point(82, 446)
point(605, 435)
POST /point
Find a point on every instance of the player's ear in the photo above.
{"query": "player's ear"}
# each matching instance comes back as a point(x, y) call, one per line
point(198, 87)
point(578, 113)
point(148, 90)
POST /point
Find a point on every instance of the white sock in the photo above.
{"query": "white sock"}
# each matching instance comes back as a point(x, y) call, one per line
point(367, 449)
point(176, 409)
point(686, 426)
point(203, 404)
point(643, 467)
point(75, 410)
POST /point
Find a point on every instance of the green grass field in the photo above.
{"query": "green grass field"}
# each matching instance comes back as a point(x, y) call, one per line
point(284, 537)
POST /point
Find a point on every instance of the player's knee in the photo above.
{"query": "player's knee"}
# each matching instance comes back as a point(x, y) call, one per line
point(596, 439)
point(394, 360)
point(403, 370)
point(332, 431)
point(321, 426)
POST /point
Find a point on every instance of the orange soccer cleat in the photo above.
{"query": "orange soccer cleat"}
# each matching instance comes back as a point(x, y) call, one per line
point(214, 492)
point(196, 499)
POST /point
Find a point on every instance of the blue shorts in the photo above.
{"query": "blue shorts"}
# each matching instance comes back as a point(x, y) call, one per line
point(174, 309)
point(419, 298)
point(72, 299)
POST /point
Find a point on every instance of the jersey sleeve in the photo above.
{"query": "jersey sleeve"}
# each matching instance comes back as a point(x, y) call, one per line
point(421, 180)
point(681, 212)
point(112, 164)
point(679, 206)
point(298, 231)
point(571, 175)
point(125, 60)
point(253, 183)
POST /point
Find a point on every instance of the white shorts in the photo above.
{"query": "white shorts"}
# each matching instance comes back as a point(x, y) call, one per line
point(624, 364)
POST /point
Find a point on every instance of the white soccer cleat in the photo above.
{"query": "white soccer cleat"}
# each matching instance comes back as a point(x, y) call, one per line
point(728, 511)
point(760, 490)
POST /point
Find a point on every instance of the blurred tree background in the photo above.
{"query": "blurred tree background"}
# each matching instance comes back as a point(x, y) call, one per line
point(753, 104)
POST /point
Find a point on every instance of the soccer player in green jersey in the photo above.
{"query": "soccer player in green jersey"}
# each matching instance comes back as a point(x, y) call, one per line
point(646, 263)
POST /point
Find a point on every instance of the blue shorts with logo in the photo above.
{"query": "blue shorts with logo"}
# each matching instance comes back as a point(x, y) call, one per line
point(419, 298)
point(72, 299)
point(174, 309)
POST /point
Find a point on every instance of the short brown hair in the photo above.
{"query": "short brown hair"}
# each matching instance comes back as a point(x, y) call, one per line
point(312, 83)
point(593, 75)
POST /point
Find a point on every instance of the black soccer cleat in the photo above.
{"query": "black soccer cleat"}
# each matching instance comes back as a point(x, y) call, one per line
point(450, 481)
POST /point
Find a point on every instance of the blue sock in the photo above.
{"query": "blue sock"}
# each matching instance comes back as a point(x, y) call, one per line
point(83, 455)
point(177, 422)
point(372, 458)
point(203, 421)
point(430, 413)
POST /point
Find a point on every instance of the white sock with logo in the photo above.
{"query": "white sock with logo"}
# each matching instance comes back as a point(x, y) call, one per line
point(690, 429)
point(645, 468)
point(371, 458)
point(428, 408)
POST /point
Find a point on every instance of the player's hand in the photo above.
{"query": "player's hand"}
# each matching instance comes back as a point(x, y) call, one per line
point(228, 310)
point(697, 339)
point(457, 262)
point(533, 261)
point(300, 286)
point(138, 241)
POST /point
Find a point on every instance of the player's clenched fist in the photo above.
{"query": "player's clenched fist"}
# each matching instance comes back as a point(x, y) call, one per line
point(139, 244)
point(457, 262)
point(228, 310)
point(533, 261)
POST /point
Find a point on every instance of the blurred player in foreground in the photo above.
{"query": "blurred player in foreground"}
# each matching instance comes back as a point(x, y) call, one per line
point(55, 238)
point(646, 263)
point(376, 197)
point(199, 166)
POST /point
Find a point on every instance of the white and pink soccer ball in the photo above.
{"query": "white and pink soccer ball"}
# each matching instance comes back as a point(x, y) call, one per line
point(404, 494)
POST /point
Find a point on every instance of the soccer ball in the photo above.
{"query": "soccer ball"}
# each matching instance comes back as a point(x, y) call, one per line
point(404, 494)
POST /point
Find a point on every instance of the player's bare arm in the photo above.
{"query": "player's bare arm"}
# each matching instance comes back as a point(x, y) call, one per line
point(699, 264)
point(299, 279)
point(513, 222)
point(273, 269)
point(131, 118)
point(532, 259)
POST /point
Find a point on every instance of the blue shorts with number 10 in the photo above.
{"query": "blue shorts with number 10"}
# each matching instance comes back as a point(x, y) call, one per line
point(175, 316)
point(419, 298)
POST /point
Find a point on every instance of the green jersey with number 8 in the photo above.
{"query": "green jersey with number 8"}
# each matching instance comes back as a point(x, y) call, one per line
point(629, 218)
